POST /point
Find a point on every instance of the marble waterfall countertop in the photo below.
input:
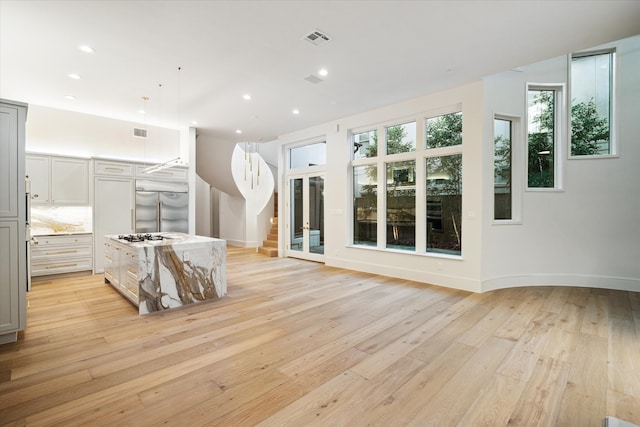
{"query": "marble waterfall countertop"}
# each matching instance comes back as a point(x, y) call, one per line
point(179, 270)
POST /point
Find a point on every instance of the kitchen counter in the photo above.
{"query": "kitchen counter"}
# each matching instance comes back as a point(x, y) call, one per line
point(157, 275)
point(41, 233)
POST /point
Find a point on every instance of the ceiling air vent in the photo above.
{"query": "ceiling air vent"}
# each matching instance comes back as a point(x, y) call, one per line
point(317, 38)
point(139, 133)
point(313, 79)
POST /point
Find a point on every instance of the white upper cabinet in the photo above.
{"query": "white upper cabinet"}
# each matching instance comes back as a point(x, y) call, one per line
point(58, 180)
point(37, 170)
point(69, 181)
point(106, 167)
point(174, 173)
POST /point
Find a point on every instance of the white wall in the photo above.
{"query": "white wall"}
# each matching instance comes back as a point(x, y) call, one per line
point(203, 208)
point(588, 234)
point(232, 219)
point(456, 273)
point(215, 212)
point(54, 131)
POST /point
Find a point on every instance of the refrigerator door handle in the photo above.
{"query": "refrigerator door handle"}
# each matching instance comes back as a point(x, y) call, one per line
point(159, 215)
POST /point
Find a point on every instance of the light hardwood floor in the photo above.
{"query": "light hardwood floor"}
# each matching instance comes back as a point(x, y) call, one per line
point(298, 343)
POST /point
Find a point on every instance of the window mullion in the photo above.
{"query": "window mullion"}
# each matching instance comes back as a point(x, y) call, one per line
point(421, 205)
point(382, 203)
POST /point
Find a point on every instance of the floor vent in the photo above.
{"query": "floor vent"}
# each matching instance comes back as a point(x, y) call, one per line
point(139, 133)
point(317, 38)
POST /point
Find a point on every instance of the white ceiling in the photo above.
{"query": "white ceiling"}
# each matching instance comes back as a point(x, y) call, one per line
point(381, 52)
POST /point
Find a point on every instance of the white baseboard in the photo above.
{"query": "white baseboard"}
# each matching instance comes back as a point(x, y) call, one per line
point(576, 280)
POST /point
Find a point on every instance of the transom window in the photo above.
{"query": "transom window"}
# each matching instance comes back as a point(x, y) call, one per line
point(309, 155)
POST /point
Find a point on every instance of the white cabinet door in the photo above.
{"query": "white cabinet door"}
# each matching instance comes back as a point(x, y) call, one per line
point(9, 272)
point(9, 162)
point(38, 171)
point(58, 180)
point(69, 181)
point(113, 213)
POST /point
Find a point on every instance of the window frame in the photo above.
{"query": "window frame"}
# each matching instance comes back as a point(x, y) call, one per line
point(560, 126)
point(419, 155)
point(300, 144)
point(613, 95)
point(518, 158)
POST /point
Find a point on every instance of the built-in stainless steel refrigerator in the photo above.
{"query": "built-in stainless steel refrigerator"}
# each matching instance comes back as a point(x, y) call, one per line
point(162, 206)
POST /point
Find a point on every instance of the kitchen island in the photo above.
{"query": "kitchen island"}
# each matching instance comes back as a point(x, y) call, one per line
point(161, 271)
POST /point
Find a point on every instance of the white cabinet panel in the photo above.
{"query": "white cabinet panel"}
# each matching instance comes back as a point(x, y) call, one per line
point(121, 269)
point(38, 170)
point(113, 212)
point(69, 181)
point(61, 254)
point(13, 245)
point(174, 173)
point(9, 295)
point(102, 167)
point(58, 180)
point(9, 198)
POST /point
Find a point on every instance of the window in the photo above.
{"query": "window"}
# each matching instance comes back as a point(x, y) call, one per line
point(543, 128)
point(591, 103)
point(444, 204)
point(406, 178)
point(401, 205)
point(308, 155)
point(401, 138)
point(502, 175)
point(365, 144)
point(365, 205)
point(443, 131)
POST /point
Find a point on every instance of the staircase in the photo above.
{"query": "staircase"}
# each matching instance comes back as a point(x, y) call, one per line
point(270, 246)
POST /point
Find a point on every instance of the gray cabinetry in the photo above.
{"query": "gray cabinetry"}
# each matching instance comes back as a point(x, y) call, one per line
point(13, 216)
point(58, 180)
point(121, 269)
point(62, 254)
point(113, 209)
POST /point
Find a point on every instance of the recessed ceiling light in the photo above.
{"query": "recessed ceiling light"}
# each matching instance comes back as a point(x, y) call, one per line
point(193, 122)
point(86, 48)
point(74, 76)
point(323, 72)
point(295, 111)
point(70, 97)
point(238, 131)
point(142, 112)
point(246, 96)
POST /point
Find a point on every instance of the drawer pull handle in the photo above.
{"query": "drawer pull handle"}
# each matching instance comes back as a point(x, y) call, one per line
point(48, 267)
point(114, 169)
point(72, 251)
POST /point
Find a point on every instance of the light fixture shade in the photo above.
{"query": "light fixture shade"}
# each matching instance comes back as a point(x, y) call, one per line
point(166, 165)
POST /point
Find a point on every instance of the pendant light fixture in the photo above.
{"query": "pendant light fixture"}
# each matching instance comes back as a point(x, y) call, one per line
point(250, 151)
point(177, 161)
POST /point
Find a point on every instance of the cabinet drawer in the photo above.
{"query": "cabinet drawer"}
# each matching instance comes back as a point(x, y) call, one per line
point(63, 240)
point(54, 252)
point(112, 168)
point(173, 173)
point(42, 267)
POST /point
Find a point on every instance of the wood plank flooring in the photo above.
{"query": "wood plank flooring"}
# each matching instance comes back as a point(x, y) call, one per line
point(300, 344)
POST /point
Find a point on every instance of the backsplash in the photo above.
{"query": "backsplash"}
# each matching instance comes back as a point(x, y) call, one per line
point(61, 220)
